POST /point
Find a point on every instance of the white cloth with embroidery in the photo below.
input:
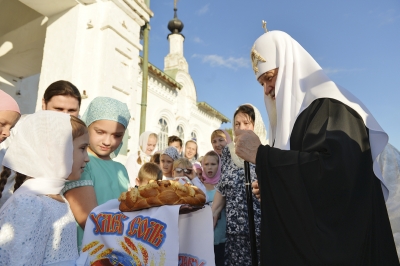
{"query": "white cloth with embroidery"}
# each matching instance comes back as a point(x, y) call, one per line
point(147, 237)
point(37, 230)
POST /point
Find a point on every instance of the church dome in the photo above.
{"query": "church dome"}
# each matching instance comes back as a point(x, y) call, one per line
point(175, 25)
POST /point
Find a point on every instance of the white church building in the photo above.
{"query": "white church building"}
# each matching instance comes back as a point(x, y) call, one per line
point(95, 44)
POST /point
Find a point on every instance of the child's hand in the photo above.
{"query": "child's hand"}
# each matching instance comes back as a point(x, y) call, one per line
point(183, 180)
point(202, 179)
point(215, 221)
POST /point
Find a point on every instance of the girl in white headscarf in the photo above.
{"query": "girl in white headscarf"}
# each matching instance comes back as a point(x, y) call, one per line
point(231, 192)
point(147, 147)
point(37, 226)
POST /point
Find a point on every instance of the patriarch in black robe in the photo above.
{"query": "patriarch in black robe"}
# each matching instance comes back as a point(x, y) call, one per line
point(321, 189)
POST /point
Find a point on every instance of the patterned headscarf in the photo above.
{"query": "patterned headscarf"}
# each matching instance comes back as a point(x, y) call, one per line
point(171, 152)
point(106, 108)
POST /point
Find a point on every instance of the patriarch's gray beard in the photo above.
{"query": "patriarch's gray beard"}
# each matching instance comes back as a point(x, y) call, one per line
point(271, 109)
point(270, 104)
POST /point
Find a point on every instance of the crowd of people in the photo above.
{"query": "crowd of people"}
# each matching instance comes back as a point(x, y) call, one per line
point(317, 196)
point(96, 178)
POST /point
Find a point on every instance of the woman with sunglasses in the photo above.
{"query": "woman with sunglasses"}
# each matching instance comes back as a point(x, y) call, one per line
point(182, 169)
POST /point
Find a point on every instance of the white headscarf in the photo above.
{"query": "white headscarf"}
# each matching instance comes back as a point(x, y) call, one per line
point(42, 149)
point(259, 130)
point(300, 81)
point(143, 140)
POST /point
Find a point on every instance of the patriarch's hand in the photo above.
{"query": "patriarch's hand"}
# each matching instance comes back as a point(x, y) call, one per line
point(246, 145)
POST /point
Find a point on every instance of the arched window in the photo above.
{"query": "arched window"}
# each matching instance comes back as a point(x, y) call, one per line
point(193, 136)
point(180, 132)
point(163, 134)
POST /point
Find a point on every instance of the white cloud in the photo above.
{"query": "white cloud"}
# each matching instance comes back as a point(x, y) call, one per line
point(389, 16)
point(197, 39)
point(203, 10)
point(230, 62)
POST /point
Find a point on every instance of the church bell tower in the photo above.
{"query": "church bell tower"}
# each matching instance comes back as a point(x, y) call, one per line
point(175, 59)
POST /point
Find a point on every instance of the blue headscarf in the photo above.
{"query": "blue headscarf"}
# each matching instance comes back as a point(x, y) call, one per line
point(106, 108)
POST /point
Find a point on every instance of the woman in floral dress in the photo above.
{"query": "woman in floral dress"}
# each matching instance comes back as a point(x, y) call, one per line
point(231, 192)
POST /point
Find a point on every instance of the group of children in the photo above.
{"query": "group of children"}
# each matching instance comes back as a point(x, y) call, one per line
point(63, 168)
point(204, 173)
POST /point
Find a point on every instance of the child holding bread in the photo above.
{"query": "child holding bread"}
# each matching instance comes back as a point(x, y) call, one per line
point(182, 170)
point(37, 226)
point(103, 178)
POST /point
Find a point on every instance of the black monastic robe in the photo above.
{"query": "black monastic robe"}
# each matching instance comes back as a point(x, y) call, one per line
point(321, 202)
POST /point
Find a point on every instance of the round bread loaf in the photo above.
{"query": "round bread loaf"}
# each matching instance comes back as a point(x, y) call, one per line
point(159, 193)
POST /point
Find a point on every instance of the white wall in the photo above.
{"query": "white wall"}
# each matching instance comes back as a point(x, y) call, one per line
point(23, 90)
point(178, 108)
point(96, 47)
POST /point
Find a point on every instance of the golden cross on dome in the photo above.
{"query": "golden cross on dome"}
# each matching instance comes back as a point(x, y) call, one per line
point(264, 25)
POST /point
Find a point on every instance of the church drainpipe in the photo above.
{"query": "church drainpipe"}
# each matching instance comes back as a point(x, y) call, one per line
point(145, 80)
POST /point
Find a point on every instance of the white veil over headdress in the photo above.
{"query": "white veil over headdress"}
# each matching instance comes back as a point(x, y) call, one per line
point(300, 81)
point(42, 149)
point(259, 130)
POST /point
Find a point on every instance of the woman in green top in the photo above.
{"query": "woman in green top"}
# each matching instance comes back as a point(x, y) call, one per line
point(102, 179)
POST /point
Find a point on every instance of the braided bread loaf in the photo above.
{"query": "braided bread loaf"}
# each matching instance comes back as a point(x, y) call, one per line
point(159, 193)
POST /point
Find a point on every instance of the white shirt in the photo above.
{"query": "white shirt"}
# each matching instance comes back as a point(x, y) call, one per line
point(37, 230)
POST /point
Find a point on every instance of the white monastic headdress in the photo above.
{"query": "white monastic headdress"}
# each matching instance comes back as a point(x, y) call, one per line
point(300, 81)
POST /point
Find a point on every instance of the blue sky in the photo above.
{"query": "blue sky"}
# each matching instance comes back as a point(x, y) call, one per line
point(356, 42)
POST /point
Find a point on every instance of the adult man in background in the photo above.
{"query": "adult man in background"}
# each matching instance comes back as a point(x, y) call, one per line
point(176, 142)
point(62, 96)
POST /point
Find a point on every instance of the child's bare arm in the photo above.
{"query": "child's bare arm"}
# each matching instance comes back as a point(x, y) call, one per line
point(82, 201)
point(217, 206)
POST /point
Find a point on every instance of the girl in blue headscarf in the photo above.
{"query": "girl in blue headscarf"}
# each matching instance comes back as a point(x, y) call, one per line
point(102, 179)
